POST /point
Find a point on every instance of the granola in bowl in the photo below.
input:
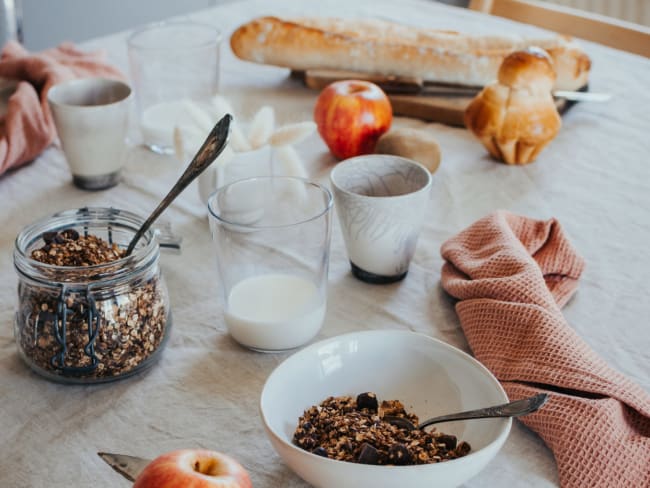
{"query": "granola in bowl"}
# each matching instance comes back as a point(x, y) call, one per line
point(362, 430)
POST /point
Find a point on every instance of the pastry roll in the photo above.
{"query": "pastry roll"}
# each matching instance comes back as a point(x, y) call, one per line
point(516, 117)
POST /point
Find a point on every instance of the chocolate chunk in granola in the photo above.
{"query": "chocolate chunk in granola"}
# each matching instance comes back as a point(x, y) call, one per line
point(400, 455)
point(462, 449)
point(320, 451)
point(368, 454)
point(367, 400)
point(448, 440)
point(70, 234)
point(48, 237)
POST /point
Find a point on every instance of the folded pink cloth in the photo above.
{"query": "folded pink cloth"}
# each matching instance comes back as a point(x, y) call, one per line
point(512, 275)
point(27, 129)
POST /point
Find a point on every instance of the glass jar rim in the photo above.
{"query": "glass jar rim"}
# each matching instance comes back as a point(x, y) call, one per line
point(141, 257)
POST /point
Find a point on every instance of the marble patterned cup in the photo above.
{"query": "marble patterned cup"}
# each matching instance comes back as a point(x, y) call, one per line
point(381, 202)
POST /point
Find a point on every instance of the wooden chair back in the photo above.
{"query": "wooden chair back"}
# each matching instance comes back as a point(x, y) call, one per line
point(615, 33)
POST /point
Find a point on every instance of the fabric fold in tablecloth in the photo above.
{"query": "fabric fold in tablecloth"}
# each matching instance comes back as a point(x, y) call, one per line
point(512, 275)
point(27, 128)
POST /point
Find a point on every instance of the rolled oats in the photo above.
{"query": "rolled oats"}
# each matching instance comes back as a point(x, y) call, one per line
point(68, 248)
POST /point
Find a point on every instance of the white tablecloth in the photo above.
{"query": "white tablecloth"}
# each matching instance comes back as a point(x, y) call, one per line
point(595, 178)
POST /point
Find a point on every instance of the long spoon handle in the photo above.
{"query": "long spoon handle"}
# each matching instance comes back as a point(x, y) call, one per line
point(512, 409)
point(211, 148)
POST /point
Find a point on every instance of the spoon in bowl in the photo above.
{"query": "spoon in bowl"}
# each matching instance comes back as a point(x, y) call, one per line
point(210, 149)
point(512, 409)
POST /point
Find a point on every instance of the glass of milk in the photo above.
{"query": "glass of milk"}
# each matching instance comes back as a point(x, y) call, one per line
point(171, 64)
point(272, 239)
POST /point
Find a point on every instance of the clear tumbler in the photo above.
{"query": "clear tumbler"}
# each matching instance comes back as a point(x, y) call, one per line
point(174, 65)
point(272, 239)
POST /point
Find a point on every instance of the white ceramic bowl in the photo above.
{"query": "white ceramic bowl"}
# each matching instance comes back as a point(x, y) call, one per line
point(430, 377)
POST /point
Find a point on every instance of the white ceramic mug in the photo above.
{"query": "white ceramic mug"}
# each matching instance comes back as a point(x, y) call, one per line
point(91, 118)
point(381, 201)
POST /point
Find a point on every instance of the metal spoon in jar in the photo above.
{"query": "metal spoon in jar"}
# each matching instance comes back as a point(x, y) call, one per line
point(512, 409)
point(211, 148)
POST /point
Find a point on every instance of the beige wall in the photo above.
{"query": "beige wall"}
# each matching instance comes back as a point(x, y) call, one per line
point(46, 23)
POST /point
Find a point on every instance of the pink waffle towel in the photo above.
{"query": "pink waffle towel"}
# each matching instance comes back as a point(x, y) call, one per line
point(27, 128)
point(512, 275)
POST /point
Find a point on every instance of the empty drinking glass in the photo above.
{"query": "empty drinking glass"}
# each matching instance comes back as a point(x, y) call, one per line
point(172, 64)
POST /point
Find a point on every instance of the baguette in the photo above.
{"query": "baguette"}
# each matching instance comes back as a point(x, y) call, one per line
point(386, 48)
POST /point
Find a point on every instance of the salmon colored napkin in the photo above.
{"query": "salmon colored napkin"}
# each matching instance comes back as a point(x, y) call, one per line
point(27, 128)
point(512, 275)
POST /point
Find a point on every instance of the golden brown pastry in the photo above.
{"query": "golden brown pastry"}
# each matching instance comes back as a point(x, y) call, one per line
point(386, 48)
point(515, 118)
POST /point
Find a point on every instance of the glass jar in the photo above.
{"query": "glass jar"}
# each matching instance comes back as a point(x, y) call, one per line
point(91, 324)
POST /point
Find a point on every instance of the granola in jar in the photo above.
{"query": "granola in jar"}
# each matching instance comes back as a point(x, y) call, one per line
point(86, 312)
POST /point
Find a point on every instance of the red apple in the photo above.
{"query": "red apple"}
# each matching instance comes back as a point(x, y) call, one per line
point(193, 468)
point(351, 115)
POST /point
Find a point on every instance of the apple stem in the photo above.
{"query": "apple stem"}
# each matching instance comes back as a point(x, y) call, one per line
point(357, 88)
point(210, 467)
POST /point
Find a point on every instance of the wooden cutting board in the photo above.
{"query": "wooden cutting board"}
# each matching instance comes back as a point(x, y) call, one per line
point(404, 97)
point(446, 110)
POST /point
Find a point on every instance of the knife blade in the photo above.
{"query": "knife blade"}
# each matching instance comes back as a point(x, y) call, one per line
point(573, 96)
point(578, 96)
point(319, 79)
point(128, 466)
point(462, 91)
